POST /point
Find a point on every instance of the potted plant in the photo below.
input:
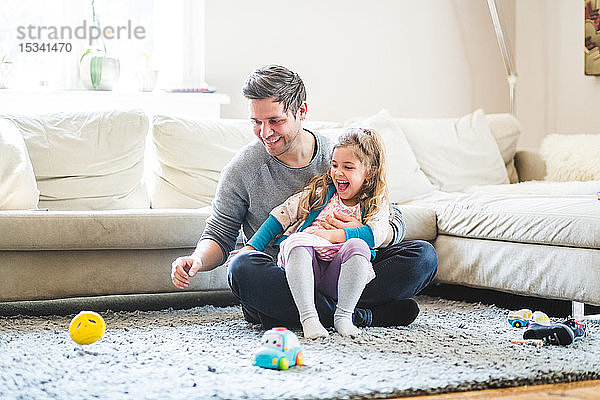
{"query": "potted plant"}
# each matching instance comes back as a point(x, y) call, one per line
point(98, 71)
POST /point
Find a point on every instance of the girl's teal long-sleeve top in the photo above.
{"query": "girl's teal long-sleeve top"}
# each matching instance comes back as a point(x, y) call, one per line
point(284, 220)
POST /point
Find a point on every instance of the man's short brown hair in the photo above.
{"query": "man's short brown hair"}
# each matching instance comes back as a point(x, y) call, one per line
point(277, 83)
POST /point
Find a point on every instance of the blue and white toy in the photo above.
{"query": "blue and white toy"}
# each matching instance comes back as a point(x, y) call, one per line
point(280, 349)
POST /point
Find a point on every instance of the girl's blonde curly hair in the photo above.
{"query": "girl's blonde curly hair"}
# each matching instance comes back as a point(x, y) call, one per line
point(367, 146)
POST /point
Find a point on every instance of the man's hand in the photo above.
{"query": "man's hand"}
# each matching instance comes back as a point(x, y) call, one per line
point(182, 269)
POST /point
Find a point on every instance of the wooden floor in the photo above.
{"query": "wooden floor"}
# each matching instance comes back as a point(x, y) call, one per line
point(586, 390)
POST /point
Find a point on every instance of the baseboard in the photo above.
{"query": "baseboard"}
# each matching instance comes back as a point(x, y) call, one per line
point(130, 302)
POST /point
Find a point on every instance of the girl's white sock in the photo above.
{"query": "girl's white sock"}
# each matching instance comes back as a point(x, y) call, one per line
point(354, 275)
point(300, 278)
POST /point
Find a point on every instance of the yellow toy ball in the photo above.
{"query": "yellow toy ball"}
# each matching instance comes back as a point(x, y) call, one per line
point(87, 327)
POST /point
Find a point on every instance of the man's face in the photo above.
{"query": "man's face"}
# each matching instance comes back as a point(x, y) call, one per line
point(276, 129)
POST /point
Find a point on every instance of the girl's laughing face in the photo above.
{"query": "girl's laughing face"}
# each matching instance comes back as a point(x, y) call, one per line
point(348, 173)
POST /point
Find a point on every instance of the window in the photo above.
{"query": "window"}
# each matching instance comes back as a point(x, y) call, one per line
point(29, 69)
point(157, 34)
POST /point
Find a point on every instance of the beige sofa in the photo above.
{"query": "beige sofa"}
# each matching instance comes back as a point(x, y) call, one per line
point(107, 200)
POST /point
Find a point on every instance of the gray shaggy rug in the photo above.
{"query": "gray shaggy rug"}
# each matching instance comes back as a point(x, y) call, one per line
point(204, 352)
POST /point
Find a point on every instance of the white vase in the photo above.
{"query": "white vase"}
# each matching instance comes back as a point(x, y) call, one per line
point(99, 72)
point(146, 80)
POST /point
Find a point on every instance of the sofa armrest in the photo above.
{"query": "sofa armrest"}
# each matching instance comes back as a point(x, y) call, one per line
point(421, 222)
point(530, 165)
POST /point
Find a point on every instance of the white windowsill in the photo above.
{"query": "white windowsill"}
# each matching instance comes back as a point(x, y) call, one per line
point(189, 105)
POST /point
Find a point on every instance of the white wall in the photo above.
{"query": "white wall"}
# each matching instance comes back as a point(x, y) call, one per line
point(553, 95)
point(417, 58)
point(425, 58)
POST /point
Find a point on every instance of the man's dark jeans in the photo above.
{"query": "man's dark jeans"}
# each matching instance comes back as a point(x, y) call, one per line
point(401, 271)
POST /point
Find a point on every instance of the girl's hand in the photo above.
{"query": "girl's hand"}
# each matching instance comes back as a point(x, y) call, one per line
point(234, 252)
point(340, 221)
point(245, 248)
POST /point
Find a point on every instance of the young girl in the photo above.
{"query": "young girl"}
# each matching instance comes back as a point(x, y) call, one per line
point(335, 261)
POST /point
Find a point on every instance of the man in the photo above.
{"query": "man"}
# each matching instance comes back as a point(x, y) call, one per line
point(261, 176)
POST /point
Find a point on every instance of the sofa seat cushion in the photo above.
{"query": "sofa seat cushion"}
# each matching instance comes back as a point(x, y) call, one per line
point(97, 230)
point(544, 218)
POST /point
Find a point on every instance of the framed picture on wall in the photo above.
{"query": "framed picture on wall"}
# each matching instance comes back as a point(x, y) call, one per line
point(592, 37)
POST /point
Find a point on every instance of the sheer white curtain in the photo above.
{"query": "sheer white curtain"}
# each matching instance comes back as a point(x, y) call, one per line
point(179, 42)
point(173, 40)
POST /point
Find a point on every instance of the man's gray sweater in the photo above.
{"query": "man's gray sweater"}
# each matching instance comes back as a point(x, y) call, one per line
point(251, 185)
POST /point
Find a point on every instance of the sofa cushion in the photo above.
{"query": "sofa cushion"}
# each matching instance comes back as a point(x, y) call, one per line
point(571, 157)
point(190, 155)
point(456, 153)
point(506, 131)
point(87, 160)
point(18, 188)
point(98, 230)
point(405, 178)
point(529, 165)
point(542, 218)
point(420, 222)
